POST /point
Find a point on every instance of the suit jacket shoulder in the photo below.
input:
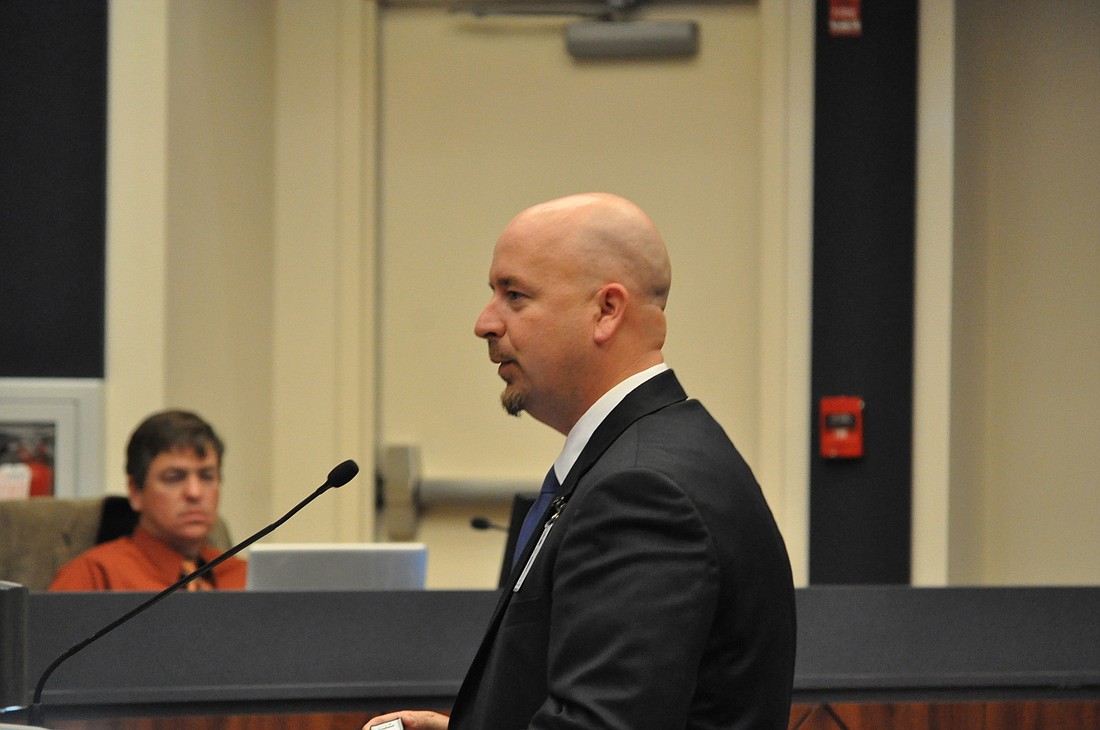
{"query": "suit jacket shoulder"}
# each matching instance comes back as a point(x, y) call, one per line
point(660, 596)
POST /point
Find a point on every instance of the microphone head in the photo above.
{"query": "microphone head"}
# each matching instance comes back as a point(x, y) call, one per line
point(342, 473)
point(484, 523)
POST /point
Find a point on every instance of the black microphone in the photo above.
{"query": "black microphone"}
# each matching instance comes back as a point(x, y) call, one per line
point(483, 523)
point(340, 475)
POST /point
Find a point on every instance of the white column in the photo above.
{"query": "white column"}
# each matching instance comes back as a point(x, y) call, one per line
point(323, 280)
point(137, 104)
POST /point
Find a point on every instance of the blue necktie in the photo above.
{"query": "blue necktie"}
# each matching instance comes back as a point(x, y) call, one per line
point(531, 521)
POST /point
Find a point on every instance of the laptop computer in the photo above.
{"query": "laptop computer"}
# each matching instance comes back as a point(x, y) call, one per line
point(337, 566)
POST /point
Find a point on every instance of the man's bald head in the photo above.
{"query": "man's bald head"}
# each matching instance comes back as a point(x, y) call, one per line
point(612, 238)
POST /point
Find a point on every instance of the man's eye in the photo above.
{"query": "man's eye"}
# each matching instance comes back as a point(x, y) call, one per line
point(512, 295)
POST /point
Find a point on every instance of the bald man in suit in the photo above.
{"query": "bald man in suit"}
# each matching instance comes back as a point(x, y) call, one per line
point(656, 591)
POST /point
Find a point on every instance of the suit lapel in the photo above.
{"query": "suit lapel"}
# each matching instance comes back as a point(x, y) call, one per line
point(656, 393)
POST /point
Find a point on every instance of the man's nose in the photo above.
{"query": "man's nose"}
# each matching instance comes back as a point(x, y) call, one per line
point(193, 487)
point(488, 324)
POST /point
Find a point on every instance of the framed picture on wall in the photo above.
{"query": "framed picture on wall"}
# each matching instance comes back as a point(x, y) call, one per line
point(27, 451)
point(51, 437)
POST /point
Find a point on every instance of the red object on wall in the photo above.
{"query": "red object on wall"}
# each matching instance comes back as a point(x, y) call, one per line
point(842, 427)
point(845, 18)
point(41, 471)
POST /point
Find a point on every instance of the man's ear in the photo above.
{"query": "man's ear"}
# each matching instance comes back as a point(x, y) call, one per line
point(135, 494)
point(612, 299)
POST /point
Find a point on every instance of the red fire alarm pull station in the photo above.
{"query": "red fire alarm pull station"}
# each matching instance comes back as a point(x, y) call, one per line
point(842, 427)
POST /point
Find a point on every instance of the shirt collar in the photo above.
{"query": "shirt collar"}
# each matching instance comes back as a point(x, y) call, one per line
point(165, 557)
point(584, 428)
point(166, 560)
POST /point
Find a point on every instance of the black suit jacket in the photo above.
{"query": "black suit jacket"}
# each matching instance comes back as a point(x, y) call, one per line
point(660, 598)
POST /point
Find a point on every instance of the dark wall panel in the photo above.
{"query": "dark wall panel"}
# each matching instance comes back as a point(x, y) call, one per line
point(53, 122)
point(864, 188)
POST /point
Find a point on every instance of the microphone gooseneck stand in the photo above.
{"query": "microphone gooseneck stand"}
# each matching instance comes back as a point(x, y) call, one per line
point(340, 475)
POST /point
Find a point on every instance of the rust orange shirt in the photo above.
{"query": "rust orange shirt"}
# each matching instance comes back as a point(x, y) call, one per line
point(140, 562)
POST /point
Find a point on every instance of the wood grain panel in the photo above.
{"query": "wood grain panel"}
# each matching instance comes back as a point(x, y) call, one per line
point(912, 715)
point(340, 721)
point(1036, 715)
point(1015, 715)
point(1060, 715)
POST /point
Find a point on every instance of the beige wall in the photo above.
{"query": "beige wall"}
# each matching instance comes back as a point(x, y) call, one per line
point(136, 226)
point(932, 352)
point(189, 231)
point(218, 324)
point(1028, 317)
point(483, 117)
point(239, 269)
point(252, 276)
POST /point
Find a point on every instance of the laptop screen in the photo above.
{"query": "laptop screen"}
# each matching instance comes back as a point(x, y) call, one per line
point(337, 566)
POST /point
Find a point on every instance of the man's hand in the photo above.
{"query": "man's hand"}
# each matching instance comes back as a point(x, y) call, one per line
point(412, 720)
